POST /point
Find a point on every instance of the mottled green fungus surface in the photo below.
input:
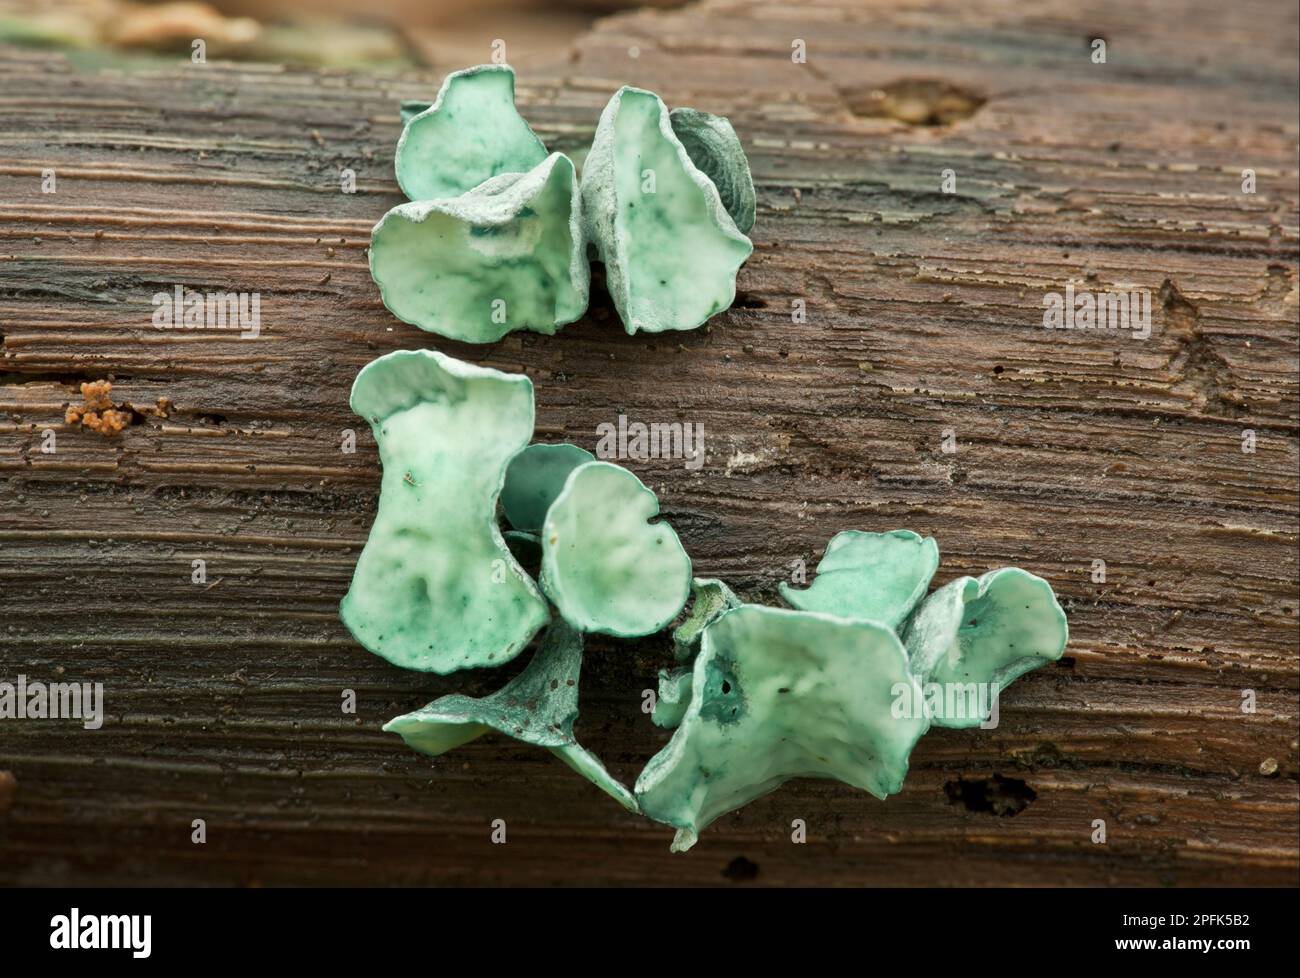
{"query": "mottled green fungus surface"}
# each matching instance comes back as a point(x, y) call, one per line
point(495, 236)
point(709, 599)
point(877, 576)
point(436, 587)
point(991, 630)
point(604, 564)
point(777, 695)
point(671, 250)
point(535, 477)
point(471, 133)
point(508, 255)
point(539, 706)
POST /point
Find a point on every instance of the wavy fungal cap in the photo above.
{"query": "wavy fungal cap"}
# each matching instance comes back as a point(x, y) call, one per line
point(435, 587)
point(535, 477)
point(471, 133)
point(509, 255)
point(604, 564)
point(877, 576)
point(987, 630)
point(671, 250)
point(539, 706)
point(714, 147)
point(776, 695)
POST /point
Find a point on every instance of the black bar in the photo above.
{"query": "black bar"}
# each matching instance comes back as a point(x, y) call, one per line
point(562, 929)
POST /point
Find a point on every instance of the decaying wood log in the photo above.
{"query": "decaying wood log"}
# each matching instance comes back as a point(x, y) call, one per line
point(924, 315)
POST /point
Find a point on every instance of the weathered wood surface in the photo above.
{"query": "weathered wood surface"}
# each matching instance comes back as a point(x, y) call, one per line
point(923, 314)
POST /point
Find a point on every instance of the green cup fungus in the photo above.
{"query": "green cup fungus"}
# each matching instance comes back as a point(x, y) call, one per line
point(878, 576)
point(710, 598)
point(671, 250)
point(539, 706)
point(714, 148)
point(496, 234)
point(988, 631)
point(496, 239)
point(436, 588)
point(441, 586)
point(535, 477)
point(508, 255)
point(853, 716)
point(471, 133)
point(604, 564)
point(777, 695)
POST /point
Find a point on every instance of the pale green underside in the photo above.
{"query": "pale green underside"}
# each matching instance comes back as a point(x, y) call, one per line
point(993, 630)
point(590, 767)
point(713, 146)
point(471, 133)
point(876, 576)
point(507, 256)
point(777, 695)
point(535, 477)
point(606, 567)
point(539, 706)
point(670, 249)
point(435, 587)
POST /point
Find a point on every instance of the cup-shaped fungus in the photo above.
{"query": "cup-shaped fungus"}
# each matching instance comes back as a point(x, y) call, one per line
point(671, 250)
point(436, 588)
point(508, 255)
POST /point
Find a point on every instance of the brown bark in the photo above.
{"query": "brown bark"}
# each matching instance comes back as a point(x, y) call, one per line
point(924, 314)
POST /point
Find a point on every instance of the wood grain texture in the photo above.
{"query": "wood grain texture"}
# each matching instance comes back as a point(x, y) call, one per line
point(924, 314)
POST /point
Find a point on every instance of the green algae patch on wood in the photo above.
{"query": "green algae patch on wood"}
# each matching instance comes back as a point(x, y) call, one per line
point(508, 255)
point(471, 133)
point(714, 148)
point(435, 587)
point(876, 576)
point(539, 706)
point(535, 477)
point(987, 631)
point(671, 250)
point(604, 564)
point(780, 694)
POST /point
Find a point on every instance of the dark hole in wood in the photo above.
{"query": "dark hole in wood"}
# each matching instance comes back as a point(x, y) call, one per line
point(996, 795)
point(741, 870)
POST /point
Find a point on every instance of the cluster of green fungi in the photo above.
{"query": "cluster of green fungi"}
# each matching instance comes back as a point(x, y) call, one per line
point(483, 540)
point(497, 233)
point(757, 695)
